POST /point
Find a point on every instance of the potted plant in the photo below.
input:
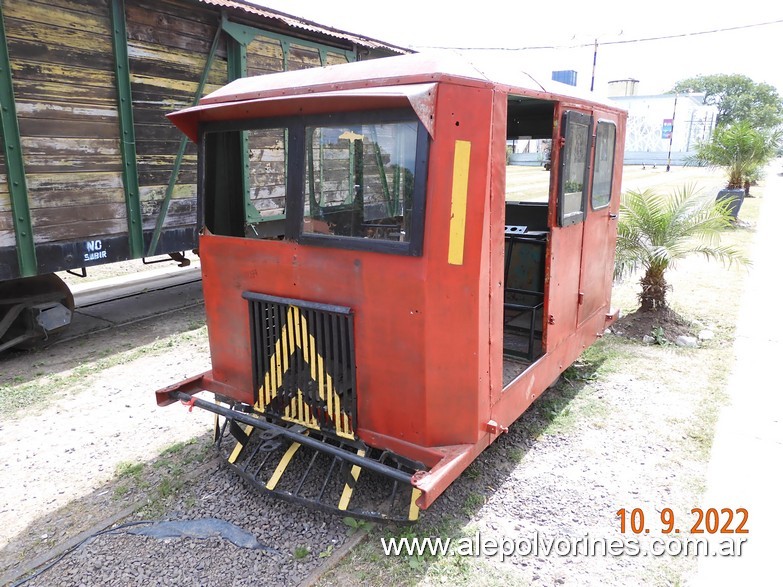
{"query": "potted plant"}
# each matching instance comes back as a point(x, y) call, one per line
point(742, 151)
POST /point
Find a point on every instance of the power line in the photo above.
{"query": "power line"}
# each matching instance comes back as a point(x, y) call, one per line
point(618, 42)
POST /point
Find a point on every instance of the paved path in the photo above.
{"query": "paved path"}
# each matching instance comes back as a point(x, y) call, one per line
point(746, 467)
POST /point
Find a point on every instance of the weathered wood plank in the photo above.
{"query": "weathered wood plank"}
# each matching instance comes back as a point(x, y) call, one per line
point(182, 19)
point(302, 57)
point(93, 17)
point(46, 90)
point(179, 210)
point(140, 33)
point(158, 61)
point(73, 111)
point(53, 189)
point(7, 239)
point(157, 167)
point(70, 147)
point(99, 39)
point(147, 133)
point(43, 218)
point(148, 177)
point(95, 9)
point(77, 196)
point(5, 202)
point(335, 58)
point(178, 98)
point(38, 52)
point(152, 84)
point(165, 147)
point(81, 230)
point(157, 192)
point(46, 127)
point(51, 154)
point(64, 74)
point(264, 55)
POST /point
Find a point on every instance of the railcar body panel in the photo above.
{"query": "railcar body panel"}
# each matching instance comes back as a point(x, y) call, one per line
point(464, 300)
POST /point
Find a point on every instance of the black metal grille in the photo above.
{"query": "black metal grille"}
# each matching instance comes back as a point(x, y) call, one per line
point(303, 362)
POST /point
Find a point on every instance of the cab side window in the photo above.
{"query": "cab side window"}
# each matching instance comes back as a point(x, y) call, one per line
point(574, 168)
point(603, 165)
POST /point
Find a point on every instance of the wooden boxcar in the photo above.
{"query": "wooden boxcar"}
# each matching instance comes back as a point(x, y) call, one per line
point(91, 172)
point(403, 298)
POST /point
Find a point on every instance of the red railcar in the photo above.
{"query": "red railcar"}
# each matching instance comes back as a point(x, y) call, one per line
point(407, 294)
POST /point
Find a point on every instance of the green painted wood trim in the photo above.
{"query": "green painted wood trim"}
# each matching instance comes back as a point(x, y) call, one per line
point(237, 68)
point(164, 205)
point(236, 46)
point(14, 162)
point(130, 177)
point(285, 47)
point(245, 34)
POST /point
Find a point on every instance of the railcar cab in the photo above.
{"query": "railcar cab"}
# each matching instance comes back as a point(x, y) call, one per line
point(379, 284)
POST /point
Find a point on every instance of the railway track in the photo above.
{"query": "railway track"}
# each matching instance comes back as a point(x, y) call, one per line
point(106, 304)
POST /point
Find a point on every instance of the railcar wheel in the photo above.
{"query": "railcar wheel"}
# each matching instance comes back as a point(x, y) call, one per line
point(32, 309)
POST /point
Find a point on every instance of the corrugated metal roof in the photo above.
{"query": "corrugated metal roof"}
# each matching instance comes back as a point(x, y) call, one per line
point(295, 22)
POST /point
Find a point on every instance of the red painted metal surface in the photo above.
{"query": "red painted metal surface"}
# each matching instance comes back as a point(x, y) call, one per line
point(429, 333)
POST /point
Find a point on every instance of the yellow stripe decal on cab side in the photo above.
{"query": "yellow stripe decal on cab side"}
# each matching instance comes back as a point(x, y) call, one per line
point(459, 202)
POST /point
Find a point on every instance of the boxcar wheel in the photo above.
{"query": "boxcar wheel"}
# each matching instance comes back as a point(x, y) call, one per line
point(32, 309)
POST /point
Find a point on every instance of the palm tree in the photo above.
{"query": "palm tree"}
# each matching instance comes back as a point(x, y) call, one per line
point(740, 149)
point(655, 230)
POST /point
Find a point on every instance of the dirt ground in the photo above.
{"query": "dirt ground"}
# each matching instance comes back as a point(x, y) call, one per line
point(89, 409)
point(85, 414)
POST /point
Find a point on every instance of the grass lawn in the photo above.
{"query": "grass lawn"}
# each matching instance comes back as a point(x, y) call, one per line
point(654, 406)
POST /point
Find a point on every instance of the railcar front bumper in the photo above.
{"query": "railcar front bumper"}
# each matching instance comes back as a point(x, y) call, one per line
point(307, 466)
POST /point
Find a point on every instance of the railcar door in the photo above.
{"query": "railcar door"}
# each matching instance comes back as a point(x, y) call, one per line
point(573, 167)
point(600, 214)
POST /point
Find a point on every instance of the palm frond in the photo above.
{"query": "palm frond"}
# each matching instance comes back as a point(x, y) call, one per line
point(656, 230)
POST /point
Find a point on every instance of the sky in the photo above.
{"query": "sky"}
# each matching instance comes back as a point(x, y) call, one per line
point(571, 28)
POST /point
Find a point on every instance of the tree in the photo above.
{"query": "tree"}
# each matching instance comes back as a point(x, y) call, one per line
point(655, 231)
point(740, 149)
point(738, 98)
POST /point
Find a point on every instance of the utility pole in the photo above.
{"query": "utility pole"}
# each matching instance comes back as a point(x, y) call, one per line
point(671, 136)
point(595, 57)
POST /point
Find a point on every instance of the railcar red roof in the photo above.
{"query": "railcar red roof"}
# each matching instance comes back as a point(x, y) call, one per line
point(340, 80)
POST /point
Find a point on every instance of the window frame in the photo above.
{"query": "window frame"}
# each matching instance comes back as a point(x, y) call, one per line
point(580, 118)
point(295, 180)
point(613, 125)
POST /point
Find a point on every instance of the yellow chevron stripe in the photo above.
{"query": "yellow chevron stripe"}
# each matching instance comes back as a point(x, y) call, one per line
point(345, 498)
point(239, 447)
point(295, 334)
point(281, 466)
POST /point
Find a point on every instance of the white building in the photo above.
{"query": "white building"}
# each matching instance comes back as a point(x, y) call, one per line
point(665, 128)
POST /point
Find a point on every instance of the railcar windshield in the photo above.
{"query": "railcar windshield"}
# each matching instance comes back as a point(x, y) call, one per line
point(353, 180)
